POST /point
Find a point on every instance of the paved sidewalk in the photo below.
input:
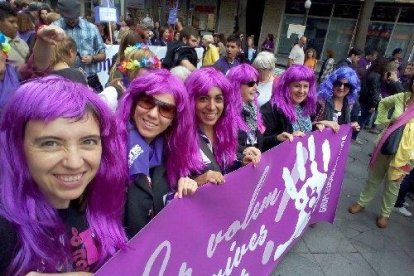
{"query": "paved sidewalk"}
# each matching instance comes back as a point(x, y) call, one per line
point(354, 245)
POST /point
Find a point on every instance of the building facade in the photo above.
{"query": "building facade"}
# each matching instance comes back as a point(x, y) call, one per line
point(330, 24)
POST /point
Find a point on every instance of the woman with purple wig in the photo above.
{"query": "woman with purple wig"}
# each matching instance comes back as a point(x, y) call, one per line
point(62, 183)
point(244, 79)
point(216, 120)
point(336, 96)
point(293, 101)
point(154, 123)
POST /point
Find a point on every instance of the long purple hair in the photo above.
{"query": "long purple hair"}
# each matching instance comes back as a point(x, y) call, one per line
point(178, 138)
point(280, 92)
point(36, 222)
point(242, 74)
point(326, 88)
point(199, 84)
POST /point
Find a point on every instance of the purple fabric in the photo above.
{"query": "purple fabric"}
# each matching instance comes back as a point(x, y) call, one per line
point(26, 35)
point(141, 155)
point(402, 120)
point(363, 62)
point(268, 45)
point(223, 65)
point(248, 223)
point(8, 85)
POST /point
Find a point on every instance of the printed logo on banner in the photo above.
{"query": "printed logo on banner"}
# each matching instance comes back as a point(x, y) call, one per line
point(244, 226)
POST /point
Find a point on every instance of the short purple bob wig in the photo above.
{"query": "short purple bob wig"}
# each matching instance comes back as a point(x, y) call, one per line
point(35, 220)
point(226, 129)
point(177, 137)
point(281, 96)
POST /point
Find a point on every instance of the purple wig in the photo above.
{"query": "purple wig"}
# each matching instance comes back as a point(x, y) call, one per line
point(281, 96)
point(242, 74)
point(199, 84)
point(326, 88)
point(177, 151)
point(37, 223)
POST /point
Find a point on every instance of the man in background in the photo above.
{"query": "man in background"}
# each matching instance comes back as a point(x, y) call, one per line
point(297, 54)
point(91, 49)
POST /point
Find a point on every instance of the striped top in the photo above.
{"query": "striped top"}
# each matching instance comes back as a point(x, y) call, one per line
point(88, 42)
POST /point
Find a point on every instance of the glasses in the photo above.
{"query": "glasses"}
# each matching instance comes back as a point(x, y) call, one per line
point(251, 83)
point(149, 102)
point(338, 83)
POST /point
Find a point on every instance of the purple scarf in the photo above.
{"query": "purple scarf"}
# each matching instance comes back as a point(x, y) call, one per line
point(141, 155)
point(8, 85)
point(402, 120)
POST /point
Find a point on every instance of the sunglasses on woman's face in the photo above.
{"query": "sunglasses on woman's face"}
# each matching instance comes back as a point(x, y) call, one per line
point(339, 83)
point(251, 83)
point(149, 102)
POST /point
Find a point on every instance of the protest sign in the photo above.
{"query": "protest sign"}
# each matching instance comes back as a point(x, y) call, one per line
point(244, 226)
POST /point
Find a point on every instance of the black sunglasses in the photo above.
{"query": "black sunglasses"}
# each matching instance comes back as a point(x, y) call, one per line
point(251, 83)
point(339, 83)
point(149, 102)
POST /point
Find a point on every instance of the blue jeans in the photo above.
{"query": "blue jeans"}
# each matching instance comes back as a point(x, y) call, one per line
point(405, 186)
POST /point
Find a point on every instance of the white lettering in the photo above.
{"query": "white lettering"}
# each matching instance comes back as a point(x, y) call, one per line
point(165, 244)
point(184, 271)
point(240, 251)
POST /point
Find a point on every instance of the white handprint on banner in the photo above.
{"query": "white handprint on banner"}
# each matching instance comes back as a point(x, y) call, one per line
point(308, 195)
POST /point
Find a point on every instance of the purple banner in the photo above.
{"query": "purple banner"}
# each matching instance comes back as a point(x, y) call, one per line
point(245, 225)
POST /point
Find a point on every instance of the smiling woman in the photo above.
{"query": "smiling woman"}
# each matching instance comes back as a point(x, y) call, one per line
point(288, 112)
point(154, 121)
point(336, 97)
point(62, 183)
point(216, 117)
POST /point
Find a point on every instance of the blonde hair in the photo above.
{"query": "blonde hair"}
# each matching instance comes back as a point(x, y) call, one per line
point(52, 17)
point(62, 51)
point(137, 54)
point(209, 38)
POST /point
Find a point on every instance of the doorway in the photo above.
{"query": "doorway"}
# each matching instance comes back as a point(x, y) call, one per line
point(254, 16)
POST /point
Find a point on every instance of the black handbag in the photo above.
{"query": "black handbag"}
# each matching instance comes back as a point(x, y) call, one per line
point(392, 143)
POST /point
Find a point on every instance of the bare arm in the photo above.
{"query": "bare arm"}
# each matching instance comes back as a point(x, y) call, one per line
point(47, 37)
point(290, 62)
point(188, 65)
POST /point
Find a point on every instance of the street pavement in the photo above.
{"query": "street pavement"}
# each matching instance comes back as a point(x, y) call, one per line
point(353, 245)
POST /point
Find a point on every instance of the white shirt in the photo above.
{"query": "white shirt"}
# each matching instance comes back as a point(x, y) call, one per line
point(297, 55)
point(265, 92)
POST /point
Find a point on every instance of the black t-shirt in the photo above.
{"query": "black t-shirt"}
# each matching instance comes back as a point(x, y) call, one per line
point(84, 252)
point(72, 74)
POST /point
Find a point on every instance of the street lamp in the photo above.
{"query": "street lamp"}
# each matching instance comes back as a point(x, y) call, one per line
point(308, 4)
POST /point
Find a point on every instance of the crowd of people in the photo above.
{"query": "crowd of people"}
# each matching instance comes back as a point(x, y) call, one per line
point(84, 167)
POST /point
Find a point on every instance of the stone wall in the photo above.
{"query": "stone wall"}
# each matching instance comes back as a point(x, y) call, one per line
point(272, 20)
point(226, 17)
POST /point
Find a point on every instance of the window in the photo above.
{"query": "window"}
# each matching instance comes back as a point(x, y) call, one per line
point(339, 37)
point(384, 13)
point(346, 11)
point(400, 38)
point(295, 7)
point(378, 36)
point(407, 15)
point(286, 43)
point(318, 9)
